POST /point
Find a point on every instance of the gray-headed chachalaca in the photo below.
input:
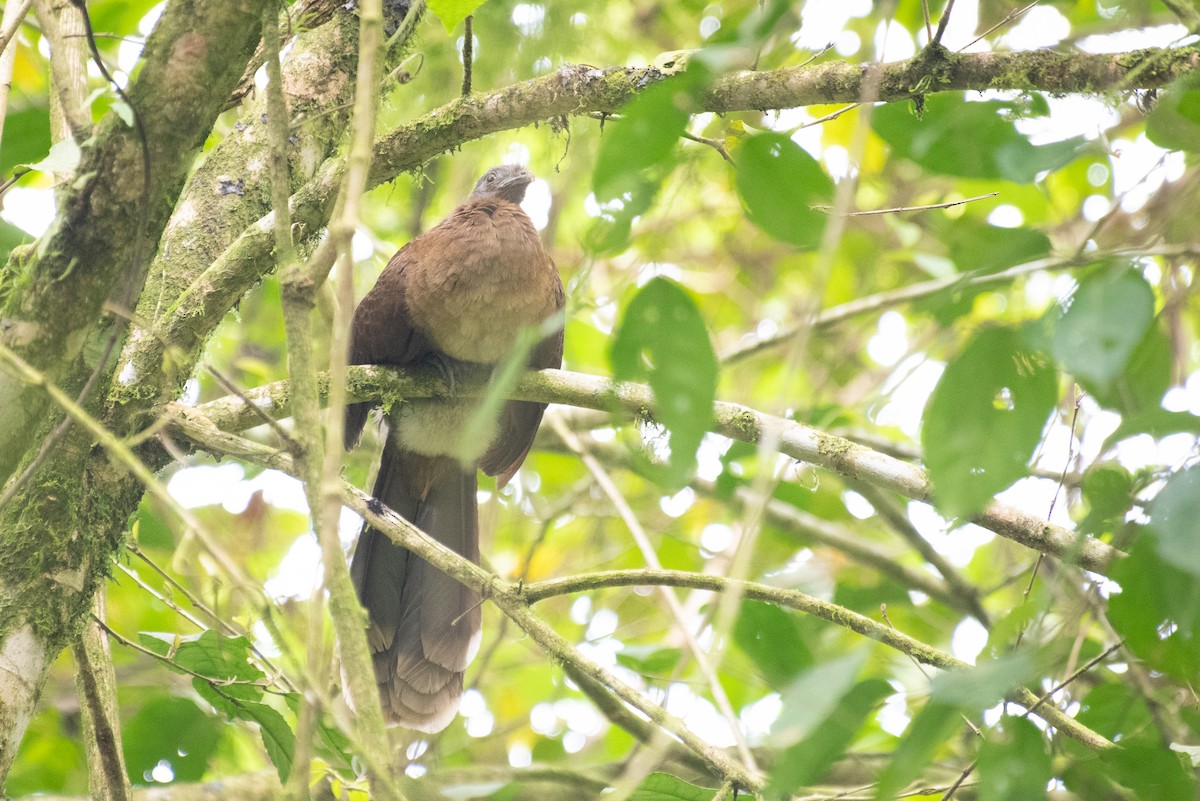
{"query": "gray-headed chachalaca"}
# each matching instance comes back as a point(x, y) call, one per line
point(461, 292)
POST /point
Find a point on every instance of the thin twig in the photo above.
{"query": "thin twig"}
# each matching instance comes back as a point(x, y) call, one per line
point(320, 456)
point(833, 115)
point(1012, 15)
point(1058, 489)
point(122, 454)
point(507, 596)
point(1091, 663)
point(802, 602)
point(952, 789)
point(609, 487)
point(162, 599)
point(715, 144)
point(166, 660)
point(902, 209)
point(943, 22)
point(514, 600)
point(468, 51)
point(896, 518)
point(233, 389)
point(15, 17)
point(884, 300)
point(228, 627)
point(733, 420)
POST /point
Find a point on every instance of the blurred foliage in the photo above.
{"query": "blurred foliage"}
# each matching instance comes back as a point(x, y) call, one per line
point(670, 254)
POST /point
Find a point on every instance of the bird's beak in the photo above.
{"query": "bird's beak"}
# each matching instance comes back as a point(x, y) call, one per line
point(521, 178)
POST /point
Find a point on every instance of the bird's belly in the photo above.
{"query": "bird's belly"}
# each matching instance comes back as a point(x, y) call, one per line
point(443, 428)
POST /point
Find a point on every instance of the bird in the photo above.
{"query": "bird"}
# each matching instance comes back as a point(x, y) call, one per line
point(456, 296)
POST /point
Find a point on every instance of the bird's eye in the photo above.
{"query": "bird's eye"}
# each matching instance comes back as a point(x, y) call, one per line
point(491, 177)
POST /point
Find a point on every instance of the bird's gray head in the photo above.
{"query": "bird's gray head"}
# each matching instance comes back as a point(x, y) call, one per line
point(507, 182)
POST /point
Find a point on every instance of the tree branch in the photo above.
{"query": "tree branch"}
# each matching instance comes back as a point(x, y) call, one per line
point(731, 420)
point(807, 527)
point(514, 601)
point(794, 599)
point(320, 454)
point(96, 685)
point(192, 60)
point(317, 80)
point(505, 595)
point(581, 90)
point(753, 344)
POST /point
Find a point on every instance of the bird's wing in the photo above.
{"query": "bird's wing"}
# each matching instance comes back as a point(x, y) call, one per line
point(519, 420)
point(382, 331)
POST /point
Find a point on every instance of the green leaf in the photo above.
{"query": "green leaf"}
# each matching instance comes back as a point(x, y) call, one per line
point(645, 136)
point(813, 697)
point(648, 660)
point(1116, 711)
point(26, 137)
point(452, 12)
point(637, 154)
point(969, 139)
point(980, 248)
point(122, 110)
point(779, 184)
point(1175, 512)
point(1175, 121)
point(771, 637)
point(1108, 316)
point(221, 665)
point(756, 24)
point(984, 684)
point(331, 744)
point(1014, 764)
point(984, 420)
point(1155, 421)
point(1151, 770)
point(10, 237)
point(609, 233)
point(1147, 376)
point(1108, 489)
point(665, 787)
point(810, 759)
point(503, 379)
point(236, 702)
point(953, 694)
point(933, 725)
point(278, 738)
point(63, 158)
point(223, 659)
point(171, 730)
point(662, 338)
point(1157, 611)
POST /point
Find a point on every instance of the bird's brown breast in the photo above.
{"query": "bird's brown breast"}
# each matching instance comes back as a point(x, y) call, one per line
point(483, 277)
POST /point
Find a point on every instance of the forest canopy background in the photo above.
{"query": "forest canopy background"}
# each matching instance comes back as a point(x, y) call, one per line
point(945, 307)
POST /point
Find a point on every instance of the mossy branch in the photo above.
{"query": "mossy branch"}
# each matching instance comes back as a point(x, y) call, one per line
point(514, 600)
point(732, 420)
point(582, 90)
point(802, 602)
point(191, 62)
point(507, 596)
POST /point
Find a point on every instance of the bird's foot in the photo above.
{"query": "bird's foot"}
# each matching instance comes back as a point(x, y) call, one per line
point(447, 368)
